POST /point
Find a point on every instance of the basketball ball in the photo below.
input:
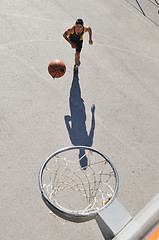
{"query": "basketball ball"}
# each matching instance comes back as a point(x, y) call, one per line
point(56, 68)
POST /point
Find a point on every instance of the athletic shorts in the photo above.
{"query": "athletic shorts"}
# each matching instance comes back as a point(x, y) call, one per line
point(78, 45)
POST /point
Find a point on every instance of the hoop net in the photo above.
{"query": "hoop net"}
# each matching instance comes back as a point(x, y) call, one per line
point(76, 184)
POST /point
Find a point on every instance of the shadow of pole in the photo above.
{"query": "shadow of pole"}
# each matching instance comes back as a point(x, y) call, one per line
point(76, 122)
point(140, 8)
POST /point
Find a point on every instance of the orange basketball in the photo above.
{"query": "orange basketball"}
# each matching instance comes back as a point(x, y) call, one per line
point(56, 68)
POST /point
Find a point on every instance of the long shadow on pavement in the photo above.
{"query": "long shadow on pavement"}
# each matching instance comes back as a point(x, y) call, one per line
point(76, 122)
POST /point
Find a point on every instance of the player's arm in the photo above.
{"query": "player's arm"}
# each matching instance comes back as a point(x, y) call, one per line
point(89, 30)
point(67, 33)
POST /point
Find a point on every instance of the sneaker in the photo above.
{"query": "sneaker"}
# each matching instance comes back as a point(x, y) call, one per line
point(75, 67)
point(79, 63)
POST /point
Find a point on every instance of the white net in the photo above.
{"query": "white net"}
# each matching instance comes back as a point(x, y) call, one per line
point(78, 181)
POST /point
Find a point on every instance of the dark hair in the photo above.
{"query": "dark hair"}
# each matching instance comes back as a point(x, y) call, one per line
point(79, 21)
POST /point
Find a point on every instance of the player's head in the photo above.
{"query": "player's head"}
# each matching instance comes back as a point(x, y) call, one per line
point(80, 22)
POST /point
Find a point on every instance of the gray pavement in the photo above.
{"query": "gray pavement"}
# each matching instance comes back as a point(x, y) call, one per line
point(119, 74)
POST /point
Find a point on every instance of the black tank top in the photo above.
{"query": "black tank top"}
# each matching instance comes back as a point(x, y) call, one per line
point(75, 36)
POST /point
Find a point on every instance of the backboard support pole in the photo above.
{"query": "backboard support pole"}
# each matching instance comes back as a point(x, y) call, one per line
point(112, 219)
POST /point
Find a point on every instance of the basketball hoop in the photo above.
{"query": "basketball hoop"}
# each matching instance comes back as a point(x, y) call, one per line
point(79, 189)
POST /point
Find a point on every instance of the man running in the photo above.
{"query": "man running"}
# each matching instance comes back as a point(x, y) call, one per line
point(74, 36)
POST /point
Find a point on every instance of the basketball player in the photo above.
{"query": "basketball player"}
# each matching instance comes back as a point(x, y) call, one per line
point(74, 36)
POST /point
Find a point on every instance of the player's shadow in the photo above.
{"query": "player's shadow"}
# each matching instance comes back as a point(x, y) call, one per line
point(76, 122)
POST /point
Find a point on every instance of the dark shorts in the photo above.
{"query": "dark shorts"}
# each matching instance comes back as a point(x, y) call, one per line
point(78, 44)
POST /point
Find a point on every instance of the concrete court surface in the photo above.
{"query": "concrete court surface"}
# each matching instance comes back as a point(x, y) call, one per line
point(119, 74)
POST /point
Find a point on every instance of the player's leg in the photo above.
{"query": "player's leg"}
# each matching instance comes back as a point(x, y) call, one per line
point(77, 58)
point(77, 54)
